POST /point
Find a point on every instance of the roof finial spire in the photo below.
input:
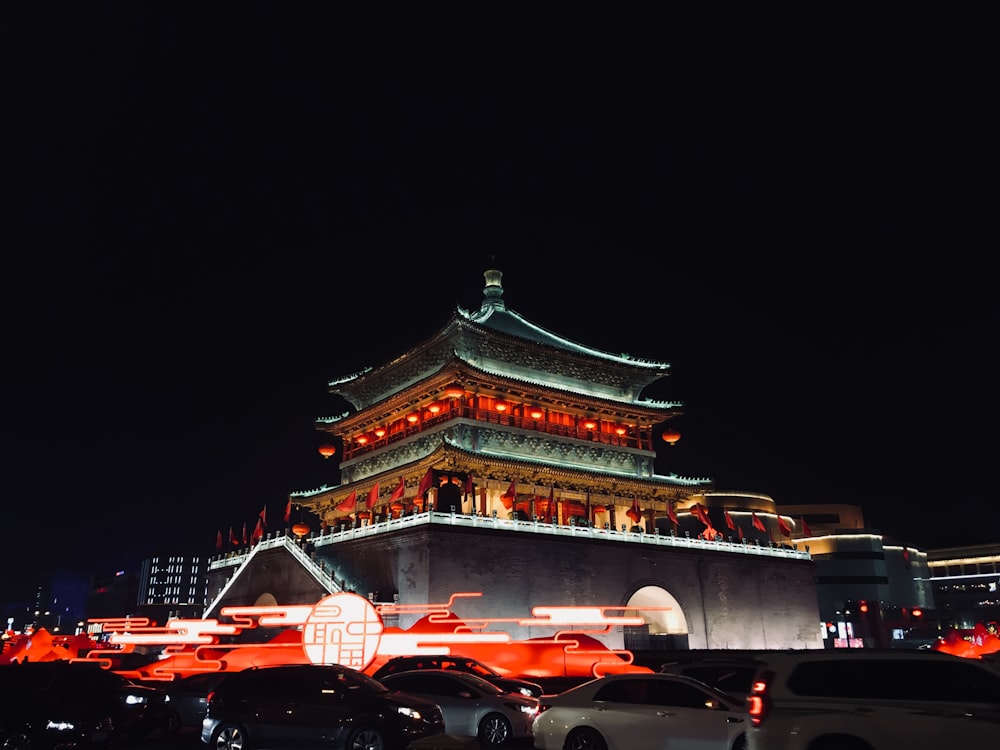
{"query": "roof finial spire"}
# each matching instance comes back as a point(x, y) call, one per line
point(493, 292)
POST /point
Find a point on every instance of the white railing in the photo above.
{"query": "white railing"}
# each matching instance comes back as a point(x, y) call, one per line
point(504, 524)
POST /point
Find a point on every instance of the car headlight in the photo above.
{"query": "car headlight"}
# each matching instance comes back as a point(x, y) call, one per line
point(410, 712)
point(133, 700)
point(524, 708)
point(60, 726)
point(525, 691)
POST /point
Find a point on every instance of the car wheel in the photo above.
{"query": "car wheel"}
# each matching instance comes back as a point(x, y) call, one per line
point(16, 740)
point(230, 737)
point(366, 739)
point(585, 738)
point(740, 743)
point(495, 730)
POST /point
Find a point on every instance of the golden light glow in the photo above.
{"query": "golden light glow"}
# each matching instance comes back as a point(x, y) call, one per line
point(536, 413)
point(361, 439)
point(434, 408)
point(619, 430)
point(380, 432)
point(671, 437)
point(590, 424)
point(412, 417)
point(326, 450)
point(453, 391)
point(500, 406)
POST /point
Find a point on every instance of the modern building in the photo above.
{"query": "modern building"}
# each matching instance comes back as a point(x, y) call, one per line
point(172, 583)
point(499, 458)
point(966, 584)
point(872, 591)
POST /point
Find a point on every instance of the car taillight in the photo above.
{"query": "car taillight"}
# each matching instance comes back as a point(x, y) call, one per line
point(208, 698)
point(543, 706)
point(758, 701)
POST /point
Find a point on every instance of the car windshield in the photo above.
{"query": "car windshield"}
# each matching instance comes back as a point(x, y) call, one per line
point(480, 684)
point(477, 668)
point(358, 680)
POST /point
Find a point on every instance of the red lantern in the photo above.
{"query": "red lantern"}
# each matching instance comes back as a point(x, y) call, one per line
point(326, 450)
point(671, 437)
point(455, 390)
point(379, 432)
point(300, 529)
point(590, 424)
point(536, 413)
point(500, 406)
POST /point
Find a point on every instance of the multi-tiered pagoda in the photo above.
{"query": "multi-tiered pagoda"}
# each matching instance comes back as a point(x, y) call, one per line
point(494, 415)
point(513, 468)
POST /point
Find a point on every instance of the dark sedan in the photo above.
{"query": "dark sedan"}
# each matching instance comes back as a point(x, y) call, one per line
point(459, 664)
point(314, 705)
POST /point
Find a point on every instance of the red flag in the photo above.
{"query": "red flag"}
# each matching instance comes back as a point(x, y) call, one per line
point(288, 511)
point(671, 513)
point(508, 497)
point(218, 539)
point(232, 537)
point(470, 487)
point(426, 483)
point(699, 510)
point(806, 531)
point(729, 520)
point(757, 523)
point(783, 527)
point(263, 517)
point(635, 512)
point(739, 532)
point(258, 531)
point(349, 502)
point(244, 532)
point(397, 494)
point(372, 497)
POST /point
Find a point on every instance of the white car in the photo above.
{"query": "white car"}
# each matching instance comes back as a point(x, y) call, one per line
point(863, 699)
point(471, 706)
point(641, 712)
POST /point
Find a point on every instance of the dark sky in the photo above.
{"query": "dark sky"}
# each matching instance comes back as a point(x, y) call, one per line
point(212, 212)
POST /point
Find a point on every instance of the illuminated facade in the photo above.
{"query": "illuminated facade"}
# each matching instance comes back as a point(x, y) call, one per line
point(966, 583)
point(496, 456)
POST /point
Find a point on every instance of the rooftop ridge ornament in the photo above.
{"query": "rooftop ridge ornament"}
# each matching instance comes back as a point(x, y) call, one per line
point(493, 291)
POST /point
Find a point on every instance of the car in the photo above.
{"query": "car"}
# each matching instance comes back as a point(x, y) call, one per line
point(187, 700)
point(873, 699)
point(137, 710)
point(471, 705)
point(314, 705)
point(459, 664)
point(730, 674)
point(40, 713)
point(634, 711)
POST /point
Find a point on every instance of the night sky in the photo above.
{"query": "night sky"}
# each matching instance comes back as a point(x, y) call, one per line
point(211, 213)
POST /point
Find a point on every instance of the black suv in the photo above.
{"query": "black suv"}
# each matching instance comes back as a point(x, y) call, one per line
point(461, 664)
point(84, 690)
point(314, 705)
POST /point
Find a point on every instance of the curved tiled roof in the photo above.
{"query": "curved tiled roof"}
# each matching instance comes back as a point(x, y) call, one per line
point(493, 313)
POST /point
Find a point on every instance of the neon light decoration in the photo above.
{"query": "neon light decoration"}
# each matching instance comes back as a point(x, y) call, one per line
point(348, 629)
